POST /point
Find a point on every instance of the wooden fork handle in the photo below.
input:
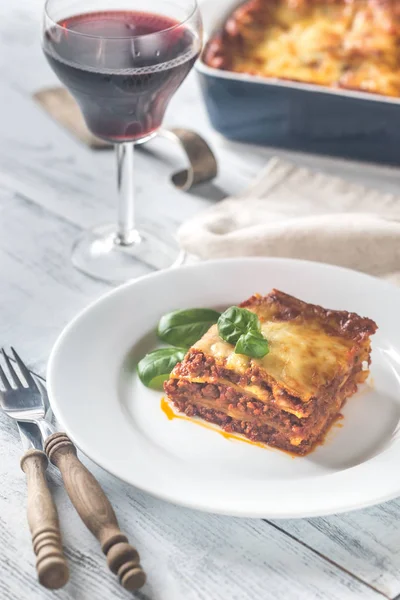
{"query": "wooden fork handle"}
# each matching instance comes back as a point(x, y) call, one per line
point(51, 564)
point(95, 511)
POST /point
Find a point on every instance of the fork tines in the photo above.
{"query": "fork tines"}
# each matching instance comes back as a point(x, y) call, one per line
point(14, 377)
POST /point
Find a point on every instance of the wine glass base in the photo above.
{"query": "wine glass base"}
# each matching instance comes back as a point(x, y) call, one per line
point(100, 254)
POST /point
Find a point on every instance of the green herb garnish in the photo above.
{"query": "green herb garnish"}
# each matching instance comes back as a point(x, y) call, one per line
point(252, 344)
point(156, 367)
point(235, 322)
point(241, 328)
point(184, 328)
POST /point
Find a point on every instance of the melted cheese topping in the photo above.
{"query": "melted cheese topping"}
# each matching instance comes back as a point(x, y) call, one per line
point(347, 44)
point(302, 359)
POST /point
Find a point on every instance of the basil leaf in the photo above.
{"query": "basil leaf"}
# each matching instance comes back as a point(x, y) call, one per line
point(155, 367)
point(235, 322)
point(252, 344)
point(185, 327)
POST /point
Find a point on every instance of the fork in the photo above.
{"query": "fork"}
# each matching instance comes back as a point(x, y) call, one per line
point(44, 525)
point(27, 404)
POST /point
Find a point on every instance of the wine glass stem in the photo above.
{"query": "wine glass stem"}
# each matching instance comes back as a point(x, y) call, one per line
point(127, 234)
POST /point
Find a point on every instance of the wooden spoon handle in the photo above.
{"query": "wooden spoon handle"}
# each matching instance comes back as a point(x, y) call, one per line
point(51, 564)
point(95, 511)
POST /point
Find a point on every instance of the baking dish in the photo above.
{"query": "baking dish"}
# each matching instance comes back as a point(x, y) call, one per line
point(297, 116)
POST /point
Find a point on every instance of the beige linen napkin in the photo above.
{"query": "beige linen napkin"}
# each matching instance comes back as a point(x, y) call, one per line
point(294, 212)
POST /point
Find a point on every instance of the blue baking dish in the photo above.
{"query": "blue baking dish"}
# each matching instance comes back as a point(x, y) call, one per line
point(297, 116)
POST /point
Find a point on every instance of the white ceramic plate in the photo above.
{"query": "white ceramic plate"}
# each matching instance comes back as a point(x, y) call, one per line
point(117, 422)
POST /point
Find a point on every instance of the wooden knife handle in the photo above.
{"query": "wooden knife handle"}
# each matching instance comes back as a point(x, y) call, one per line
point(51, 564)
point(95, 511)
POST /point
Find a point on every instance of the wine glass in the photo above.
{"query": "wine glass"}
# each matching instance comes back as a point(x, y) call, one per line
point(122, 64)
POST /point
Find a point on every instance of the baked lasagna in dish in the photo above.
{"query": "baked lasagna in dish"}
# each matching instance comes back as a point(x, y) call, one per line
point(353, 44)
point(290, 397)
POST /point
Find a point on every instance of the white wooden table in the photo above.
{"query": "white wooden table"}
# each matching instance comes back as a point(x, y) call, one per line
point(51, 188)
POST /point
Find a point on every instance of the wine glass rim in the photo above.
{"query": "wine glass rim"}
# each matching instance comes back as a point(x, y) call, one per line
point(128, 37)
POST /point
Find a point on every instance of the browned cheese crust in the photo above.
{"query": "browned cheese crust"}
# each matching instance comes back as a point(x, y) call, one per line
point(351, 44)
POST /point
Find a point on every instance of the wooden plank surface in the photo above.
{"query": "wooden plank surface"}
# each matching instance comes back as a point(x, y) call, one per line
point(51, 189)
point(366, 542)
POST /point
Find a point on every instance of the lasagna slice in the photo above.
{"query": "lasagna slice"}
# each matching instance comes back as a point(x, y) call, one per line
point(352, 44)
point(289, 398)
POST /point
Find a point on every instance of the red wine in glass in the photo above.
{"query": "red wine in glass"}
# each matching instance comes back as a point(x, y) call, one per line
point(122, 75)
point(123, 67)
